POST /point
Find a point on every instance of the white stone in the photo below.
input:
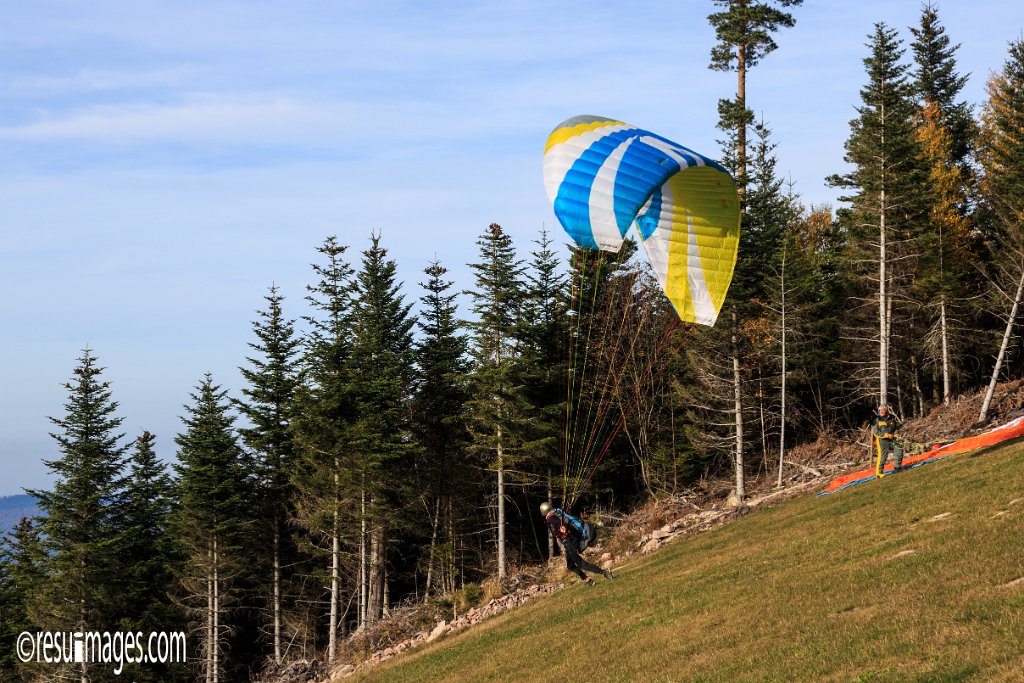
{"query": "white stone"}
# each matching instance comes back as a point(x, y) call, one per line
point(441, 627)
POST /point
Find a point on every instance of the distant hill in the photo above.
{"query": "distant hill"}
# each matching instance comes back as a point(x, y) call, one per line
point(13, 508)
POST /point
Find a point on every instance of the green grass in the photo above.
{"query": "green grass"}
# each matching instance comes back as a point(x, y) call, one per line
point(812, 590)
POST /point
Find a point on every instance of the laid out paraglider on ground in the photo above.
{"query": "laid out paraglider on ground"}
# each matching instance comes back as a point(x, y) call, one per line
point(604, 177)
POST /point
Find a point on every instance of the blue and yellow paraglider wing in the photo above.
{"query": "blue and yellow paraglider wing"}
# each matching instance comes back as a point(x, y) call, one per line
point(604, 175)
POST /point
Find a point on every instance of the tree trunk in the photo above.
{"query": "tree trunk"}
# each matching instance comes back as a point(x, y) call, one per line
point(947, 389)
point(782, 390)
point(741, 133)
point(883, 294)
point(502, 570)
point(551, 539)
point(363, 573)
point(277, 587)
point(216, 611)
point(738, 405)
point(986, 404)
point(433, 546)
point(375, 598)
point(332, 637)
point(210, 640)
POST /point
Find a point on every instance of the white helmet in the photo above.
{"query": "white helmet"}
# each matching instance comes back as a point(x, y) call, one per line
point(545, 508)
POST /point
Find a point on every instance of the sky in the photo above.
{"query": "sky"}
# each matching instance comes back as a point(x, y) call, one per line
point(164, 163)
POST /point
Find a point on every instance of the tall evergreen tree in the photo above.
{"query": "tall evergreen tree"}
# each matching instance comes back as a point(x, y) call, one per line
point(946, 130)
point(889, 190)
point(496, 406)
point(438, 410)
point(212, 522)
point(937, 81)
point(543, 331)
point(381, 368)
point(1002, 149)
point(80, 521)
point(269, 406)
point(323, 421)
point(146, 556)
point(23, 566)
point(744, 31)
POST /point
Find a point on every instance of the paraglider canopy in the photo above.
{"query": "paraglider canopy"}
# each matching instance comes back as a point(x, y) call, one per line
point(603, 176)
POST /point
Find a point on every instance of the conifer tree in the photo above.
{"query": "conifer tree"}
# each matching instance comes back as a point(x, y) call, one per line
point(543, 331)
point(744, 30)
point(23, 566)
point(269, 406)
point(323, 422)
point(381, 367)
point(212, 521)
point(1002, 149)
point(80, 518)
point(889, 189)
point(946, 131)
point(496, 406)
point(146, 555)
point(936, 81)
point(438, 410)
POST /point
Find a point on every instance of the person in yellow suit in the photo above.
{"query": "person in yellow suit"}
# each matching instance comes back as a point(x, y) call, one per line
point(886, 433)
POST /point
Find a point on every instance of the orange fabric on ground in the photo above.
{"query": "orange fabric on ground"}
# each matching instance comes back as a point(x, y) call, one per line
point(1010, 430)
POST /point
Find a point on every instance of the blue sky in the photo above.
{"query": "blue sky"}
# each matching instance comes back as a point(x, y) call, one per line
point(164, 163)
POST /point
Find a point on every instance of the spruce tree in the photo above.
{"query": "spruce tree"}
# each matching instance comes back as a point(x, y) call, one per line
point(543, 330)
point(946, 131)
point(1001, 152)
point(23, 566)
point(438, 414)
point(937, 81)
point(80, 521)
point(496, 408)
point(147, 555)
point(381, 367)
point(269, 406)
point(323, 420)
point(744, 30)
point(212, 522)
point(888, 193)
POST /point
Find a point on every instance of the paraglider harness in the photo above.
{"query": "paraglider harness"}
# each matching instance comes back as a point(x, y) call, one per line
point(582, 531)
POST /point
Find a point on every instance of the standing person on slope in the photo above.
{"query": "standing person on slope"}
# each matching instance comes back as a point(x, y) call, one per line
point(566, 531)
point(886, 433)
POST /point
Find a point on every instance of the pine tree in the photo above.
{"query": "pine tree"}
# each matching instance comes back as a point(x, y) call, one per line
point(946, 131)
point(323, 422)
point(496, 406)
point(23, 566)
point(80, 521)
point(1002, 147)
point(543, 331)
point(438, 410)
point(212, 521)
point(381, 368)
point(889, 190)
point(936, 81)
point(744, 30)
point(146, 554)
point(269, 406)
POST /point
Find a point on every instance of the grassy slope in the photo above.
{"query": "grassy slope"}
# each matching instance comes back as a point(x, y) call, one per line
point(811, 590)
